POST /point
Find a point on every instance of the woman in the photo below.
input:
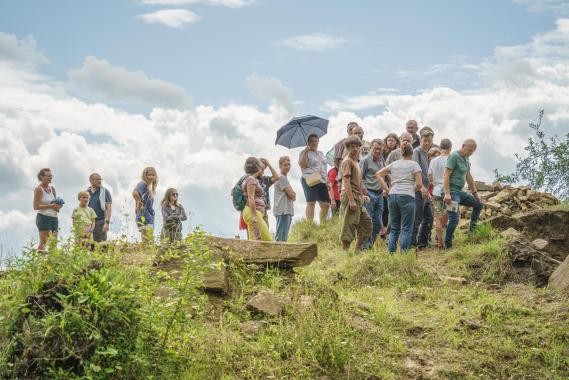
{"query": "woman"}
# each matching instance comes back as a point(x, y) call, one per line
point(47, 206)
point(284, 201)
point(173, 214)
point(313, 165)
point(143, 195)
point(254, 211)
point(391, 142)
point(405, 177)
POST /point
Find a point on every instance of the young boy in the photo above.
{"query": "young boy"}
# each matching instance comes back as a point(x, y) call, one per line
point(83, 218)
point(284, 201)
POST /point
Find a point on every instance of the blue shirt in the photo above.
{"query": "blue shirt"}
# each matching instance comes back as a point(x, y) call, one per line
point(147, 204)
point(95, 204)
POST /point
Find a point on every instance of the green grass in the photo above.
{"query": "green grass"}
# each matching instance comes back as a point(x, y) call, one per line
point(413, 324)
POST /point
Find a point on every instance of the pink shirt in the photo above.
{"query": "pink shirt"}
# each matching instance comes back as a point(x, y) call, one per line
point(259, 202)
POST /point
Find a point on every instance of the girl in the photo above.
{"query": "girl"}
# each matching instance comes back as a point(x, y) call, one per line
point(143, 195)
point(173, 215)
point(47, 206)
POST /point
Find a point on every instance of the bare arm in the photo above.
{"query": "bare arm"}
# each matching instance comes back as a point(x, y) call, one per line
point(251, 187)
point(446, 182)
point(419, 182)
point(137, 199)
point(290, 193)
point(303, 162)
point(274, 174)
point(470, 181)
point(431, 179)
point(108, 210)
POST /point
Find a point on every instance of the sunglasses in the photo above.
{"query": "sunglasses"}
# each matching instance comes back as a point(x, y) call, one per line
point(175, 194)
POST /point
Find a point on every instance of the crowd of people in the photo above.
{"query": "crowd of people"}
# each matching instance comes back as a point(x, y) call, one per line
point(92, 216)
point(395, 188)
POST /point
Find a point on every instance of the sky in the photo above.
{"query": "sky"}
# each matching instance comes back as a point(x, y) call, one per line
point(194, 87)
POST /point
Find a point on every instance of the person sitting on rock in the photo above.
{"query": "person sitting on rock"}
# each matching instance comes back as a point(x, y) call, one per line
point(457, 172)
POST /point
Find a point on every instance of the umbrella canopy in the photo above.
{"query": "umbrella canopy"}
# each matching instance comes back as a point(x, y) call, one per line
point(295, 133)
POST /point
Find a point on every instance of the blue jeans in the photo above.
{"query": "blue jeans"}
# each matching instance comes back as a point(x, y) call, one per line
point(423, 220)
point(401, 218)
point(375, 210)
point(283, 227)
point(465, 199)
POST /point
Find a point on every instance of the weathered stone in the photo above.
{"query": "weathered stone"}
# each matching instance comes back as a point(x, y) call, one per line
point(266, 302)
point(559, 279)
point(454, 281)
point(493, 205)
point(510, 233)
point(502, 196)
point(470, 324)
point(360, 305)
point(252, 328)
point(540, 244)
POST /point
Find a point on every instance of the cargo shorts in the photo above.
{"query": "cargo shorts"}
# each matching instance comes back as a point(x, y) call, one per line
point(355, 223)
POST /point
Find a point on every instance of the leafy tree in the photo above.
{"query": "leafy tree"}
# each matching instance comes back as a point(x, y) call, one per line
point(546, 166)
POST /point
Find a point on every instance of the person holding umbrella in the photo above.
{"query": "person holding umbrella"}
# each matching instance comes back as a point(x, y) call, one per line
point(306, 131)
point(314, 179)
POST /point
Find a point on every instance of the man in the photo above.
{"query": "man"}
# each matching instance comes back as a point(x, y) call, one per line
point(394, 155)
point(355, 220)
point(339, 147)
point(101, 201)
point(266, 182)
point(423, 205)
point(412, 129)
point(369, 165)
point(436, 175)
point(457, 172)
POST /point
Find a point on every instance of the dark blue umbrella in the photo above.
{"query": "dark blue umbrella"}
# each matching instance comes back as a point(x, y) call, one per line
point(295, 133)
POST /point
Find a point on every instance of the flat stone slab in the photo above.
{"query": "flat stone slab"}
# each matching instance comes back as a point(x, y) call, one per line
point(266, 302)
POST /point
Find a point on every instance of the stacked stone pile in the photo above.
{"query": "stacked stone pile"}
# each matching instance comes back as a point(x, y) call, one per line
point(507, 200)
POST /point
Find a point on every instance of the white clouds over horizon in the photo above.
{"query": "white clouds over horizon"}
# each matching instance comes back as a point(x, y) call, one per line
point(224, 3)
point(173, 18)
point(22, 51)
point(99, 80)
point(313, 42)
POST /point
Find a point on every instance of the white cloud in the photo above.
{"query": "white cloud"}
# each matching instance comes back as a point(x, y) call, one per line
point(554, 6)
point(224, 3)
point(174, 18)
point(315, 42)
point(23, 51)
point(98, 79)
point(273, 90)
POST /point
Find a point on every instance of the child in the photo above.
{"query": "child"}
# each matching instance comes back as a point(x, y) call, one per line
point(83, 218)
point(284, 201)
point(173, 214)
point(334, 190)
point(143, 195)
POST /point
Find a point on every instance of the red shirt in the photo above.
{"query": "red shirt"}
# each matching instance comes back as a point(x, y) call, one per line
point(332, 173)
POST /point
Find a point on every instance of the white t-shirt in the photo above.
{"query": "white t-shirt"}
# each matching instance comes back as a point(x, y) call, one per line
point(437, 170)
point(316, 164)
point(403, 177)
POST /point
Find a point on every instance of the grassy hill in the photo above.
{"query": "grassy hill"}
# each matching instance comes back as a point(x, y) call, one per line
point(452, 315)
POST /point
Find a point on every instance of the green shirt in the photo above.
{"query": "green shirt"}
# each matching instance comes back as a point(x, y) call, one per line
point(83, 216)
point(460, 167)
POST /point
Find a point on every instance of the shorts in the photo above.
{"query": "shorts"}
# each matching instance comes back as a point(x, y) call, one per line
point(316, 193)
point(354, 222)
point(47, 223)
point(98, 234)
point(438, 206)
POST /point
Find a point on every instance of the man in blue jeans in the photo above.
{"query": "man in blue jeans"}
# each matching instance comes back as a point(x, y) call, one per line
point(457, 173)
point(369, 165)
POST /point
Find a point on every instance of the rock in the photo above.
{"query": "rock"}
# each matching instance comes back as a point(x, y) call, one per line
point(493, 205)
point(470, 324)
point(502, 196)
point(252, 328)
point(454, 281)
point(305, 302)
point(540, 244)
point(511, 233)
point(559, 279)
point(360, 305)
point(266, 302)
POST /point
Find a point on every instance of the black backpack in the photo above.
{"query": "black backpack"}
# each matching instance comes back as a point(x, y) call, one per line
point(239, 199)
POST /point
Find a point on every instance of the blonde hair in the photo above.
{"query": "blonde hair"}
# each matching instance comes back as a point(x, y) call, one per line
point(81, 193)
point(151, 186)
point(166, 199)
point(283, 159)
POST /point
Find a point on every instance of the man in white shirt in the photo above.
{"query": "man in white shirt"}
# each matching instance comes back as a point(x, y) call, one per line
point(436, 175)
